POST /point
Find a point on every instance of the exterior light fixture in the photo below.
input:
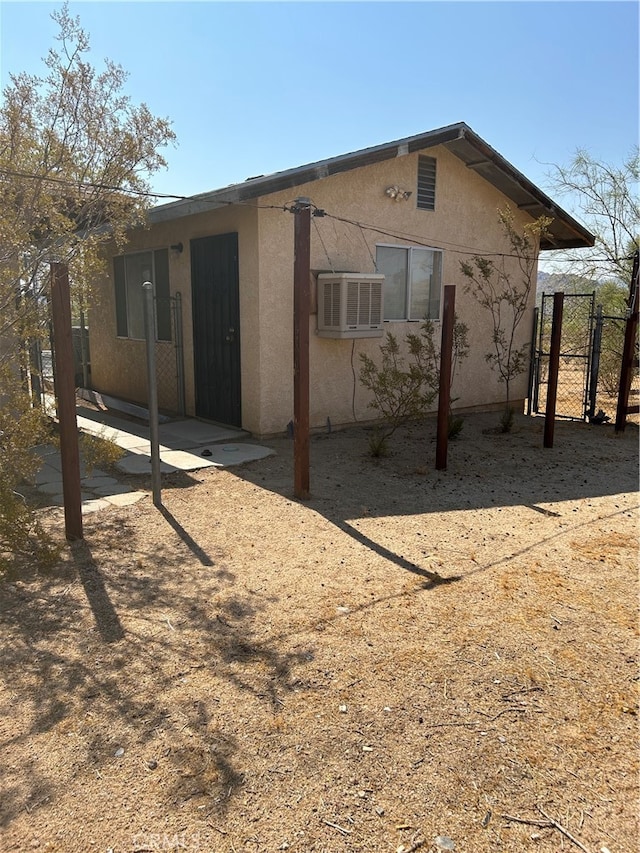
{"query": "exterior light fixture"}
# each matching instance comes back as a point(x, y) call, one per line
point(397, 194)
point(177, 247)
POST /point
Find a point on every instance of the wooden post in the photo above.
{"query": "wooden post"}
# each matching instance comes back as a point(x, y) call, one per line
point(628, 351)
point(554, 366)
point(301, 306)
point(444, 392)
point(65, 388)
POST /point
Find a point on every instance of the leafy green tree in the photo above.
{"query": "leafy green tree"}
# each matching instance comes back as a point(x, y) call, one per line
point(75, 159)
point(503, 289)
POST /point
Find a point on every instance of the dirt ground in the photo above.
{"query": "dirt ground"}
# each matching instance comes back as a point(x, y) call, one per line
point(411, 659)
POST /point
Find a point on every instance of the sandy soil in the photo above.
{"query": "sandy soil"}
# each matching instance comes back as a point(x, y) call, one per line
point(410, 659)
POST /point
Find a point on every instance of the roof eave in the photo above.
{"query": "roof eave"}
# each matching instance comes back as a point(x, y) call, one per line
point(564, 232)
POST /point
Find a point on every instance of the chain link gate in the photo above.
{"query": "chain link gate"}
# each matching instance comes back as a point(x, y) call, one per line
point(606, 364)
point(170, 362)
point(576, 349)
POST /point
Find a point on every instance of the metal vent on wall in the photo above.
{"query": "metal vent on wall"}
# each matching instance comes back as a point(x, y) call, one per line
point(426, 183)
point(350, 305)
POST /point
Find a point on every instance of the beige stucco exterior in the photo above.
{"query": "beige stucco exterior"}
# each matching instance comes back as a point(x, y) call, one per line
point(465, 220)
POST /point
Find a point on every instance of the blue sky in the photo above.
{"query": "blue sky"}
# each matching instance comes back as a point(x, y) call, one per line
point(253, 88)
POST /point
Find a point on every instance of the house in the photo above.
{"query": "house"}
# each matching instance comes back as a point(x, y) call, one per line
point(410, 209)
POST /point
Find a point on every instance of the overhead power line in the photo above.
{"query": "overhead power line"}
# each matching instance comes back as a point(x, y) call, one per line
point(51, 179)
point(417, 240)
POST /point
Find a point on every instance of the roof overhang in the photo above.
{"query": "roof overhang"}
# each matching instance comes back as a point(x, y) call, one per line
point(563, 233)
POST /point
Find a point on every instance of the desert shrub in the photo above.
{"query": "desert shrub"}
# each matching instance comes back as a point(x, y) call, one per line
point(98, 451)
point(22, 428)
point(405, 386)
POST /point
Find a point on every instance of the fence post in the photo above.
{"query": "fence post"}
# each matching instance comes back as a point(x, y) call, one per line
point(444, 394)
point(84, 338)
point(301, 307)
point(532, 360)
point(65, 389)
point(152, 402)
point(595, 364)
point(628, 352)
point(554, 364)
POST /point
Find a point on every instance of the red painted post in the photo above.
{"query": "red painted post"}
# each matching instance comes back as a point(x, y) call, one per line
point(554, 366)
point(444, 392)
point(301, 308)
point(65, 387)
point(628, 350)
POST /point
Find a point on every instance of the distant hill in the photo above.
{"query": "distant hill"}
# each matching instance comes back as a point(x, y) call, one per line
point(552, 282)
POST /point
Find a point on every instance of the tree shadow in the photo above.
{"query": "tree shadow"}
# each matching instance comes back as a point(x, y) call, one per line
point(114, 664)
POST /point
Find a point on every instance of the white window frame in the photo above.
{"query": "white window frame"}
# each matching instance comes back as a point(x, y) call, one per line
point(407, 292)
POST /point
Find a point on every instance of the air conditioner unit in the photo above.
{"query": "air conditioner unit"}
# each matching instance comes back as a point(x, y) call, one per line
point(350, 305)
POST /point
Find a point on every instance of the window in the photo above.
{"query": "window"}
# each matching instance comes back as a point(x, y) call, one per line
point(130, 271)
point(412, 284)
point(426, 196)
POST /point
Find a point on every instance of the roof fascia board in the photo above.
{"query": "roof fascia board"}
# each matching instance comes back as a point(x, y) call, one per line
point(490, 155)
point(291, 178)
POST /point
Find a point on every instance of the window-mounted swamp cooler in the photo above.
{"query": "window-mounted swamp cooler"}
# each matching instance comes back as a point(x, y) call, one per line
point(350, 305)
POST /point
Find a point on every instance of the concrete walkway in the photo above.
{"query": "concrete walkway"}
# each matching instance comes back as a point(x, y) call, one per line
point(185, 445)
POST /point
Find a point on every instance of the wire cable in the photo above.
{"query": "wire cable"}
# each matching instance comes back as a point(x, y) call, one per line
point(415, 239)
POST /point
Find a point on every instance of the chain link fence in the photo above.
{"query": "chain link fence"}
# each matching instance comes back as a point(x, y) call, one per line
point(575, 354)
point(169, 362)
point(608, 343)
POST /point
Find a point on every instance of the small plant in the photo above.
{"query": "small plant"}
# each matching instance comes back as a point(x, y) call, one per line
point(403, 388)
point(97, 451)
point(504, 292)
point(378, 444)
point(506, 420)
point(456, 422)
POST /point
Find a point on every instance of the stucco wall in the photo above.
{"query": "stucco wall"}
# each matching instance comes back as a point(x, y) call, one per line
point(465, 220)
point(119, 364)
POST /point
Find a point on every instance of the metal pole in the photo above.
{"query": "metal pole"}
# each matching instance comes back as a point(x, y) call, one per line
point(532, 360)
point(179, 354)
point(629, 349)
point(65, 389)
point(83, 351)
point(301, 310)
point(554, 365)
point(444, 394)
point(595, 364)
point(150, 335)
point(35, 361)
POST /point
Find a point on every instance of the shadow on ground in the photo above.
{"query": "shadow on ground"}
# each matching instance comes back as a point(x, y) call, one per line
point(71, 658)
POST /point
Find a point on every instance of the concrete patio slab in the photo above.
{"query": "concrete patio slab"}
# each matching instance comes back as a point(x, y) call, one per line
point(126, 499)
point(182, 445)
point(225, 455)
point(140, 463)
